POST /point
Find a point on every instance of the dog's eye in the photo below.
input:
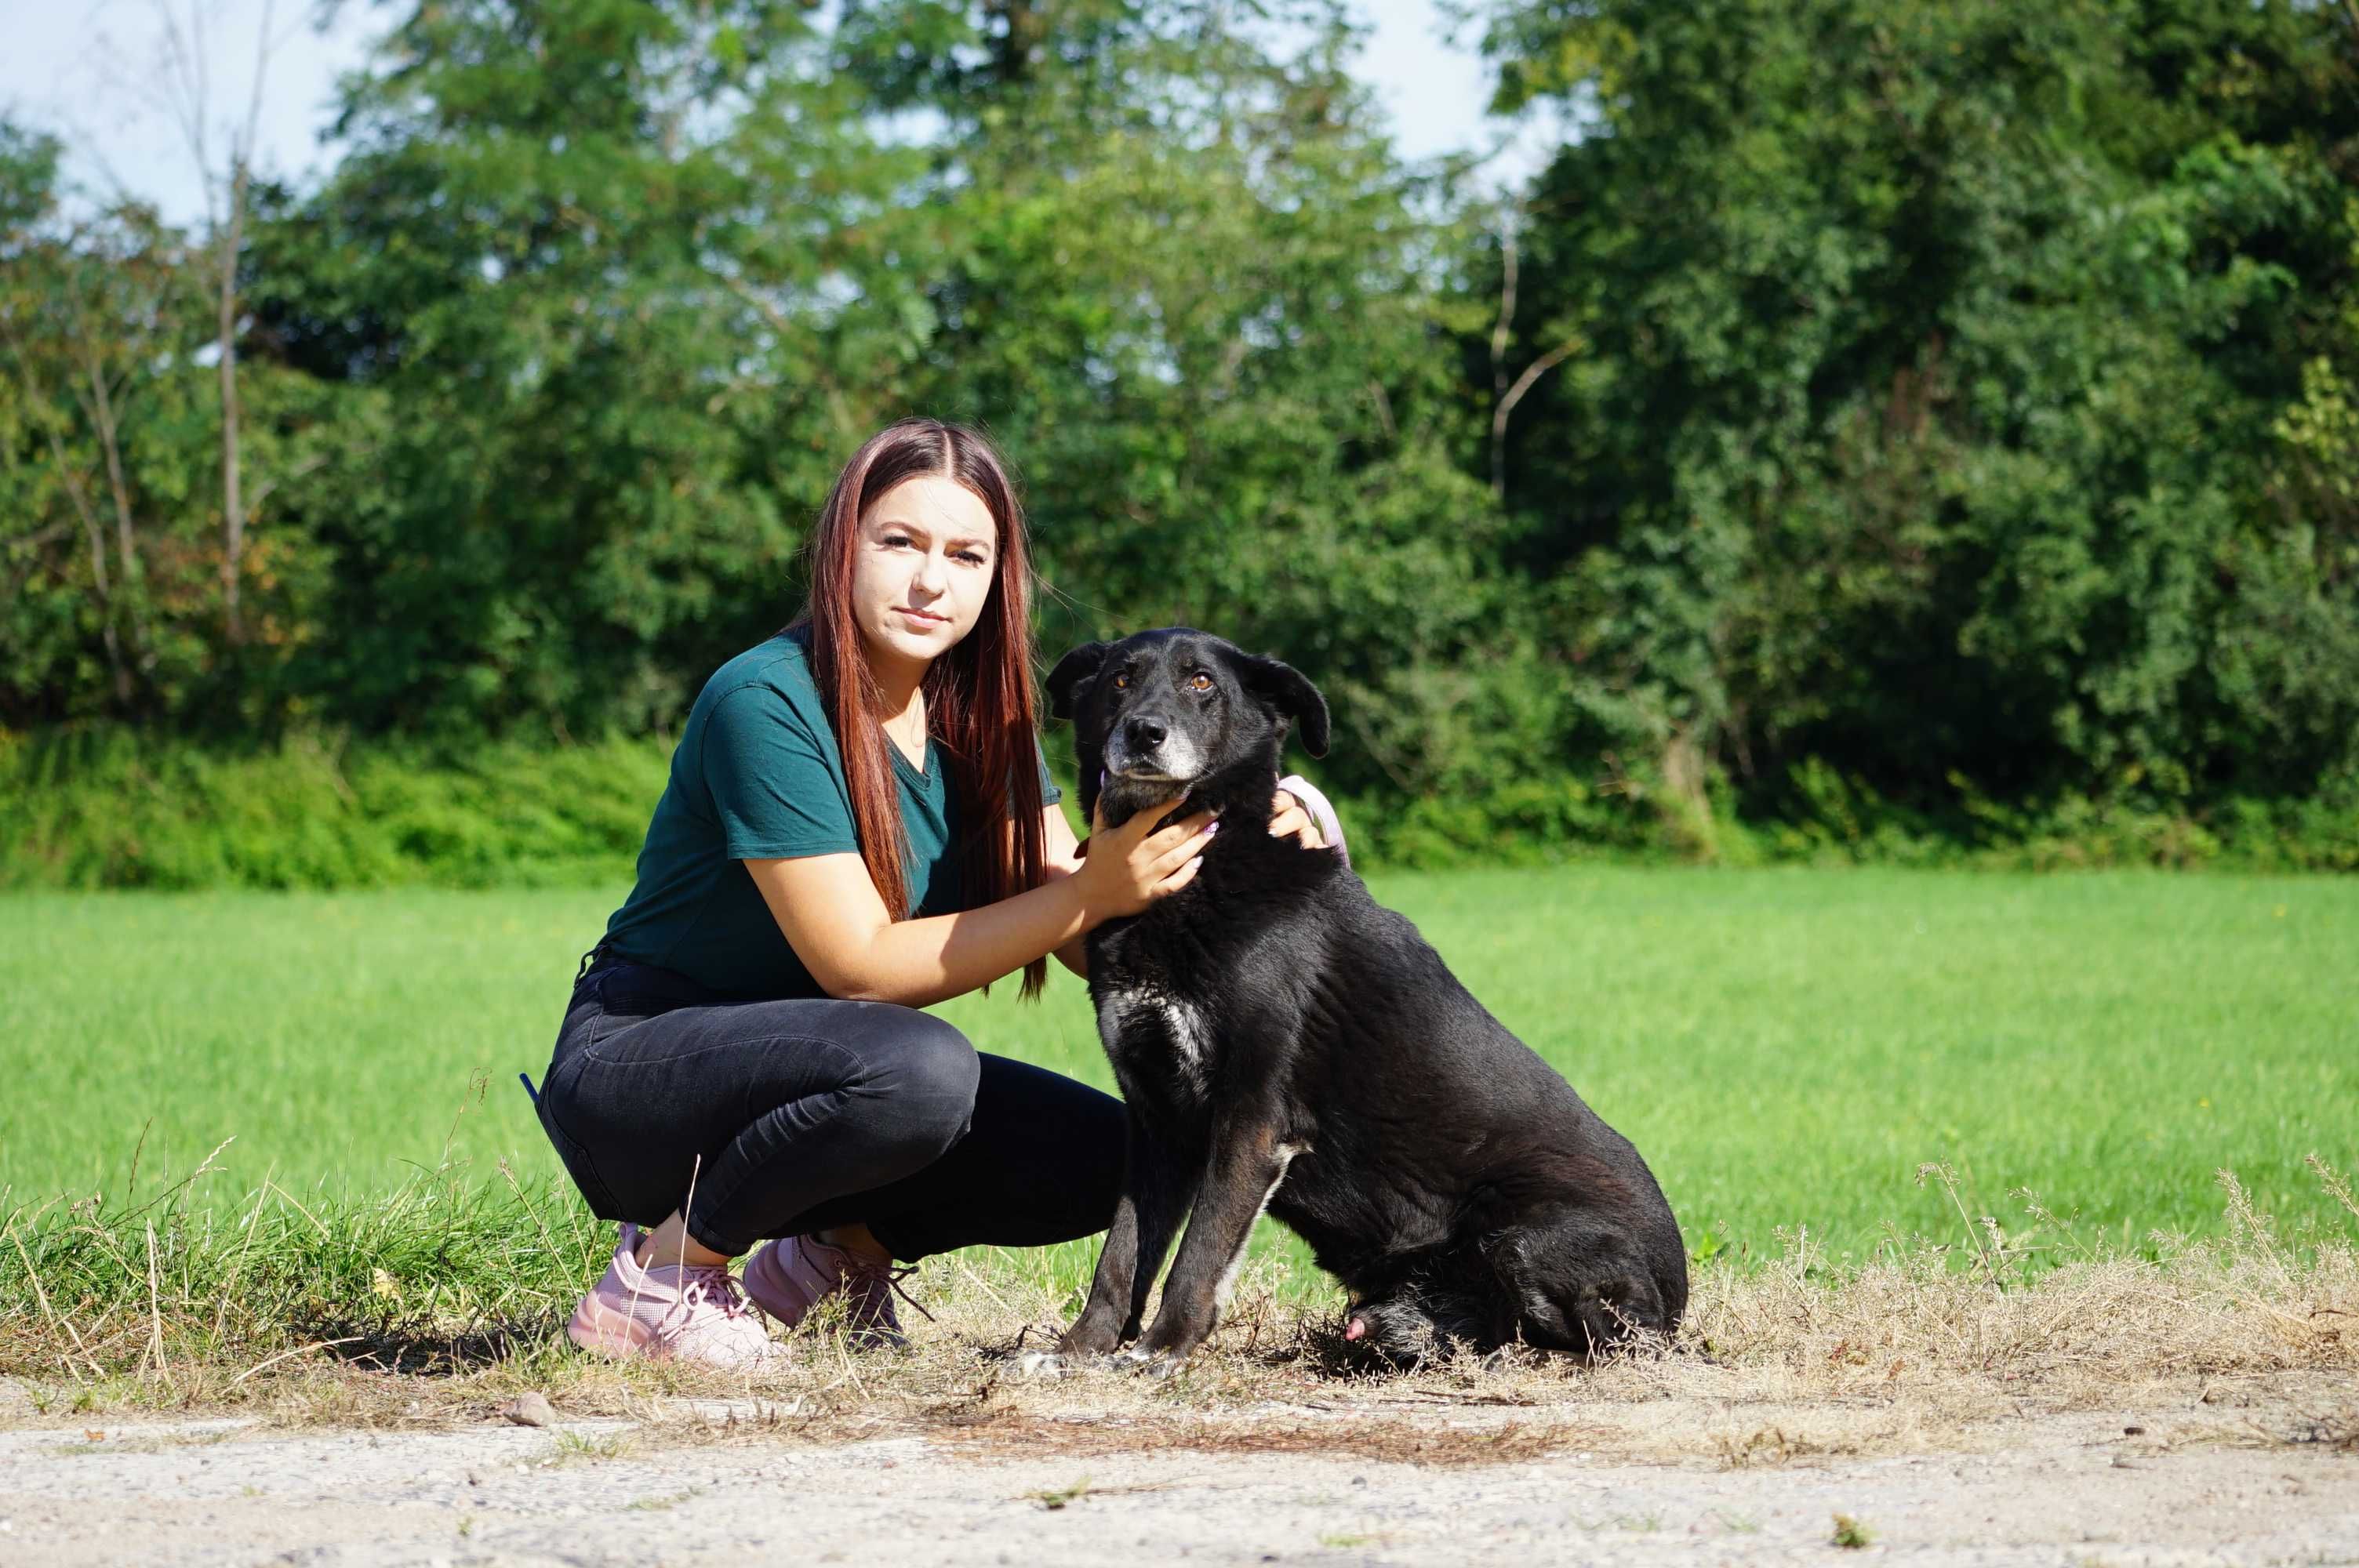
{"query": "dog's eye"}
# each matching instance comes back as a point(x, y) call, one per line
point(1121, 683)
point(1200, 683)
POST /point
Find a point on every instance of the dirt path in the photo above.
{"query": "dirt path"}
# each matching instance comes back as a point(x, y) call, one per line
point(1290, 1485)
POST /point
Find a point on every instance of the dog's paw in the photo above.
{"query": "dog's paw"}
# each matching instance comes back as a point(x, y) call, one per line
point(1042, 1365)
point(1158, 1365)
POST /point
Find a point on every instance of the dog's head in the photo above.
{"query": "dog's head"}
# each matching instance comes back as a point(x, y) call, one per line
point(1158, 713)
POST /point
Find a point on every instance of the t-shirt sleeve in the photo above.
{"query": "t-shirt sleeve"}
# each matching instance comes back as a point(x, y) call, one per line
point(1050, 794)
point(773, 789)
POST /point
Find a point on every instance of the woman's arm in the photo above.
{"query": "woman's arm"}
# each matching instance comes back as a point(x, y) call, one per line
point(1289, 819)
point(831, 914)
point(1064, 859)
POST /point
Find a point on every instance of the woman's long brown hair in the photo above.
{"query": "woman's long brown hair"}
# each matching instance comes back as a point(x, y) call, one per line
point(979, 704)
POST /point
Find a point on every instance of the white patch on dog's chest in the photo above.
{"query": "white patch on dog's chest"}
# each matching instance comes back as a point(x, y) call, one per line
point(1123, 1014)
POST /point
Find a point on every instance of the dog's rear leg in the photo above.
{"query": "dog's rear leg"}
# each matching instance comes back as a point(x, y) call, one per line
point(1144, 1218)
point(1248, 1162)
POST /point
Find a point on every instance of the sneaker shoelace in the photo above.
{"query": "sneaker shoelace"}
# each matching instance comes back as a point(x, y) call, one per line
point(712, 1284)
point(880, 1283)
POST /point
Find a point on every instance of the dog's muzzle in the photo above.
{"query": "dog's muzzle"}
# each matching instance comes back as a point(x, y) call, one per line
point(1146, 751)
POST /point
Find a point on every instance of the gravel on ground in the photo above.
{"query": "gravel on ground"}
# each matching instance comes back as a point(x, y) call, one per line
point(2134, 1486)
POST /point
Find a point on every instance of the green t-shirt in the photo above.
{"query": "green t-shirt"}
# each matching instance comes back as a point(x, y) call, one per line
point(757, 775)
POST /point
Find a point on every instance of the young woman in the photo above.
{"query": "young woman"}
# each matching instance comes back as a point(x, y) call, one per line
point(858, 824)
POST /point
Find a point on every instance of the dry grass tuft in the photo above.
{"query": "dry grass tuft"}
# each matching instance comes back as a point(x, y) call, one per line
point(1790, 1362)
point(2078, 1332)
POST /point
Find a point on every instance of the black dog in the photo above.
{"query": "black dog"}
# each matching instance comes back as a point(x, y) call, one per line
point(1284, 1042)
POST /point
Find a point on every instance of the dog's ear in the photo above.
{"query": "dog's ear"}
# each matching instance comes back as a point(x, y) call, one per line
point(1072, 672)
point(1289, 691)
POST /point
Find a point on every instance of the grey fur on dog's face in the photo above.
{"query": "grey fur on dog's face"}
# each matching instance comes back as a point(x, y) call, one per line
point(1166, 708)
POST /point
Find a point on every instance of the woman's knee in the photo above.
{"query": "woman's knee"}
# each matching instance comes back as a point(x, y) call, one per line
point(924, 1083)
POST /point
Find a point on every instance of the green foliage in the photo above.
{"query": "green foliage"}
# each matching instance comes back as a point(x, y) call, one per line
point(105, 809)
point(1823, 815)
point(1954, 402)
point(112, 593)
point(623, 363)
point(1941, 404)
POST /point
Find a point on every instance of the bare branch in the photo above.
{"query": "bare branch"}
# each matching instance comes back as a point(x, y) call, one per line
point(786, 329)
point(263, 45)
point(1506, 308)
point(188, 92)
point(269, 486)
point(1383, 408)
point(227, 191)
point(232, 505)
point(98, 407)
point(779, 321)
point(1507, 406)
point(86, 513)
point(32, 545)
point(48, 536)
point(1501, 335)
point(110, 444)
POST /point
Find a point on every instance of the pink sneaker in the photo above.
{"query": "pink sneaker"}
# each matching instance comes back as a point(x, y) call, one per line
point(789, 1276)
point(670, 1311)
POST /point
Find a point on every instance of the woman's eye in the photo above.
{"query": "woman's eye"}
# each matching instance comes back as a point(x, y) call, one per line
point(894, 540)
point(1200, 683)
point(971, 557)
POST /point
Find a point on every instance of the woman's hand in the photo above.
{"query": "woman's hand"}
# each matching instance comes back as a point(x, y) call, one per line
point(1289, 819)
point(1131, 866)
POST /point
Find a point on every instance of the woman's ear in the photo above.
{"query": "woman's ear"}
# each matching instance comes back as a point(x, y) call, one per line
point(1289, 691)
point(1074, 671)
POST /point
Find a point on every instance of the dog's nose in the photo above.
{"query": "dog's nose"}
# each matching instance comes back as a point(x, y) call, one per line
point(1143, 734)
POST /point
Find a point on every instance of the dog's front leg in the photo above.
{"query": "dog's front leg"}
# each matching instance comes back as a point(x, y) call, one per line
point(1144, 1218)
point(1247, 1163)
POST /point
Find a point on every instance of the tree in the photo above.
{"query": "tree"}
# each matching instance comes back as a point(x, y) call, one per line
point(631, 309)
point(81, 306)
point(1934, 354)
point(227, 186)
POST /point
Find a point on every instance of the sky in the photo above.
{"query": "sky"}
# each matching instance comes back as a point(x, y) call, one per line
point(95, 70)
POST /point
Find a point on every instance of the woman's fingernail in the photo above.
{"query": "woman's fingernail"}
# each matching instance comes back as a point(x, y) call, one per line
point(1212, 828)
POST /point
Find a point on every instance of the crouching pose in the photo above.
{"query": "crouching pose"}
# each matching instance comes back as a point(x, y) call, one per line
point(857, 823)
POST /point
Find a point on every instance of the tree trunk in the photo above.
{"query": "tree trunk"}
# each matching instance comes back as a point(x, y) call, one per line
point(91, 531)
point(1499, 339)
point(97, 537)
point(101, 409)
point(1505, 395)
point(1027, 31)
point(232, 505)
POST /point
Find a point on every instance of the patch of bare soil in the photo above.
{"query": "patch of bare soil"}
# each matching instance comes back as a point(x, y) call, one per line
point(2255, 1470)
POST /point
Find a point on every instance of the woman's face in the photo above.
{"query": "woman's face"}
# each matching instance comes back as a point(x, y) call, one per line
point(922, 569)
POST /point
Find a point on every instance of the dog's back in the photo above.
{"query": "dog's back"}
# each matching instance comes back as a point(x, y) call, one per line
point(1453, 1179)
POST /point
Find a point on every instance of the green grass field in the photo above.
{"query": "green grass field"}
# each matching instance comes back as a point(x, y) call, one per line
point(1786, 1047)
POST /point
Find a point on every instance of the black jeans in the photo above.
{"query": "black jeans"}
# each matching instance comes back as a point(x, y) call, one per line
point(768, 1118)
